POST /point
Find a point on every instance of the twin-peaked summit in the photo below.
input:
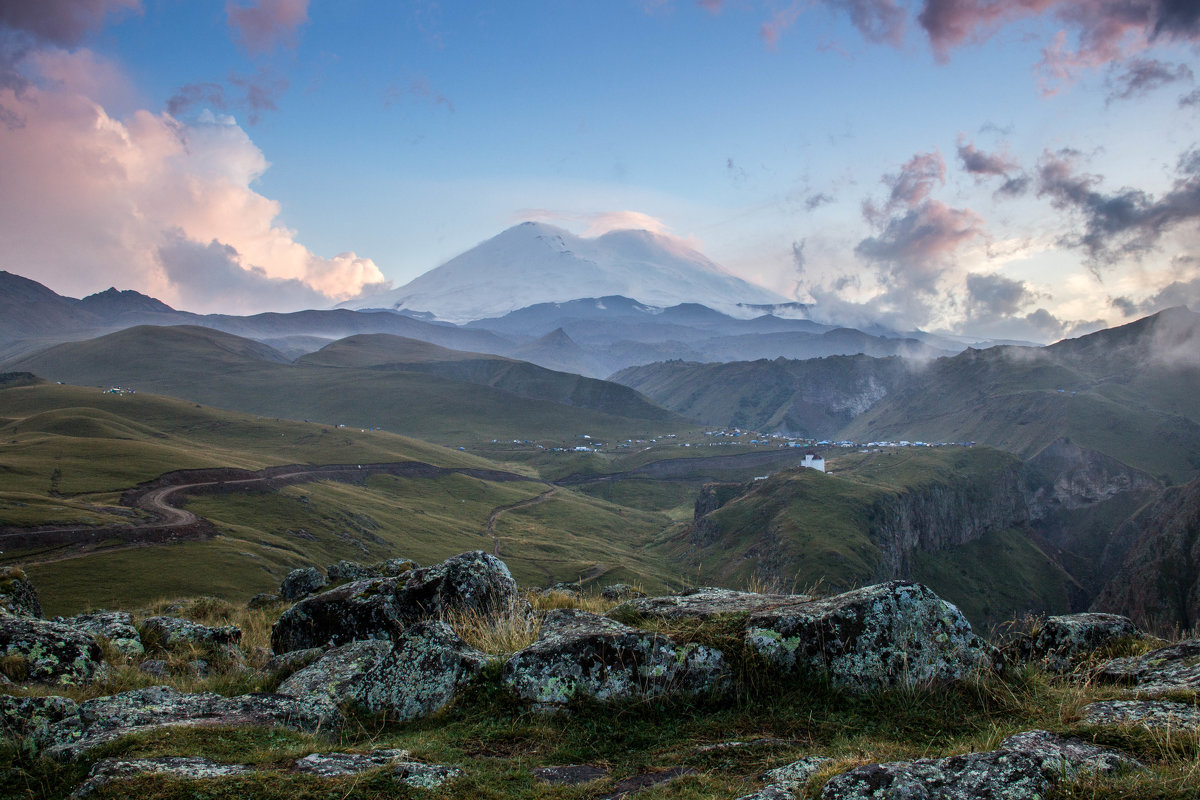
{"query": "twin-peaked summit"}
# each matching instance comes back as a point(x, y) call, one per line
point(538, 263)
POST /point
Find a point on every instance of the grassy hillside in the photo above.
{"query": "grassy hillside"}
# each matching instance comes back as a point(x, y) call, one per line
point(814, 397)
point(228, 372)
point(801, 528)
point(381, 351)
point(1129, 393)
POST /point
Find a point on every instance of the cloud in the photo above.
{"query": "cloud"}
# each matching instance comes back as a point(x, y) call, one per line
point(978, 162)
point(265, 25)
point(90, 199)
point(910, 186)
point(993, 295)
point(1127, 223)
point(1142, 76)
point(60, 22)
point(914, 249)
point(815, 201)
point(881, 21)
point(597, 222)
point(1192, 98)
point(214, 276)
point(259, 93)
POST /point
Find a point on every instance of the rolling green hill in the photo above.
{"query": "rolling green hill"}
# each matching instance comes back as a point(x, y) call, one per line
point(386, 352)
point(953, 517)
point(814, 398)
point(226, 371)
point(1129, 392)
point(67, 452)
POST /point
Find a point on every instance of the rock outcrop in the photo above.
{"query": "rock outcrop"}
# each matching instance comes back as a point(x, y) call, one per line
point(380, 608)
point(1023, 767)
point(1061, 642)
point(892, 634)
point(171, 632)
point(47, 652)
point(583, 655)
point(1175, 668)
point(17, 594)
point(115, 626)
point(705, 602)
point(301, 582)
point(1143, 713)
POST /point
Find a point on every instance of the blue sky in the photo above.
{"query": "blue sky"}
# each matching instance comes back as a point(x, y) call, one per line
point(1001, 168)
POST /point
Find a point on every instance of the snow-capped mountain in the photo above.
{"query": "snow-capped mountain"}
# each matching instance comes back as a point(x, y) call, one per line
point(538, 263)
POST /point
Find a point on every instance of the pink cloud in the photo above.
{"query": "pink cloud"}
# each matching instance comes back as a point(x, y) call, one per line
point(61, 22)
point(91, 199)
point(266, 24)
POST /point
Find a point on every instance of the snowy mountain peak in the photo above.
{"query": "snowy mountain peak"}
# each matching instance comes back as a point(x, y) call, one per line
point(538, 263)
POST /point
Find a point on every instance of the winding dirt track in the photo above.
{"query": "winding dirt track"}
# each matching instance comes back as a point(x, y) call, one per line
point(532, 501)
point(170, 524)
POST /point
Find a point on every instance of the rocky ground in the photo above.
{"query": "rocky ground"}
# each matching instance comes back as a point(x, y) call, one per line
point(394, 680)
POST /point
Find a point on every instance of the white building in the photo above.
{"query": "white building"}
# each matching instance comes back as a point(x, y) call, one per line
point(813, 461)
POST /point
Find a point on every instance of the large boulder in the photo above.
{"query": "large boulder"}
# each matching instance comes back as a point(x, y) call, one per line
point(330, 681)
point(301, 582)
point(583, 655)
point(171, 632)
point(1175, 668)
point(47, 652)
point(105, 719)
point(115, 626)
point(1023, 767)
point(380, 608)
point(17, 594)
point(1143, 713)
point(1061, 642)
point(888, 635)
point(706, 602)
point(31, 717)
point(425, 670)
point(366, 609)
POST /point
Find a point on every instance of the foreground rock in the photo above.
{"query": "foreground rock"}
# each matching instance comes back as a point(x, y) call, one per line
point(1169, 669)
point(353, 571)
point(380, 608)
point(334, 678)
point(789, 781)
point(111, 770)
point(321, 765)
point(889, 635)
point(1062, 642)
point(31, 717)
point(17, 594)
point(301, 582)
point(706, 602)
point(1145, 713)
point(1023, 767)
point(419, 674)
point(582, 655)
point(105, 719)
point(115, 626)
point(47, 652)
point(171, 632)
point(428, 667)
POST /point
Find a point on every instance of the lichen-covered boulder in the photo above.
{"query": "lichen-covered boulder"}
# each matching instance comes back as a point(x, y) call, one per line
point(1022, 768)
point(621, 591)
point(301, 582)
point(424, 776)
point(1175, 668)
point(583, 655)
point(425, 670)
point(115, 626)
point(1061, 642)
point(31, 717)
point(111, 770)
point(171, 632)
point(888, 635)
point(294, 660)
point(324, 685)
point(344, 571)
point(1144, 713)
point(474, 581)
point(47, 652)
point(263, 600)
point(705, 602)
point(17, 594)
point(337, 765)
point(380, 608)
point(392, 567)
point(104, 719)
point(366, 609)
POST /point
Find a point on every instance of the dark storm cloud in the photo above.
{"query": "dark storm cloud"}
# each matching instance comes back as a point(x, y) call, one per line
point(1126, 223)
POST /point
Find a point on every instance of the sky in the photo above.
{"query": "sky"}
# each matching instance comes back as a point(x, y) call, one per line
point(1024, 169)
